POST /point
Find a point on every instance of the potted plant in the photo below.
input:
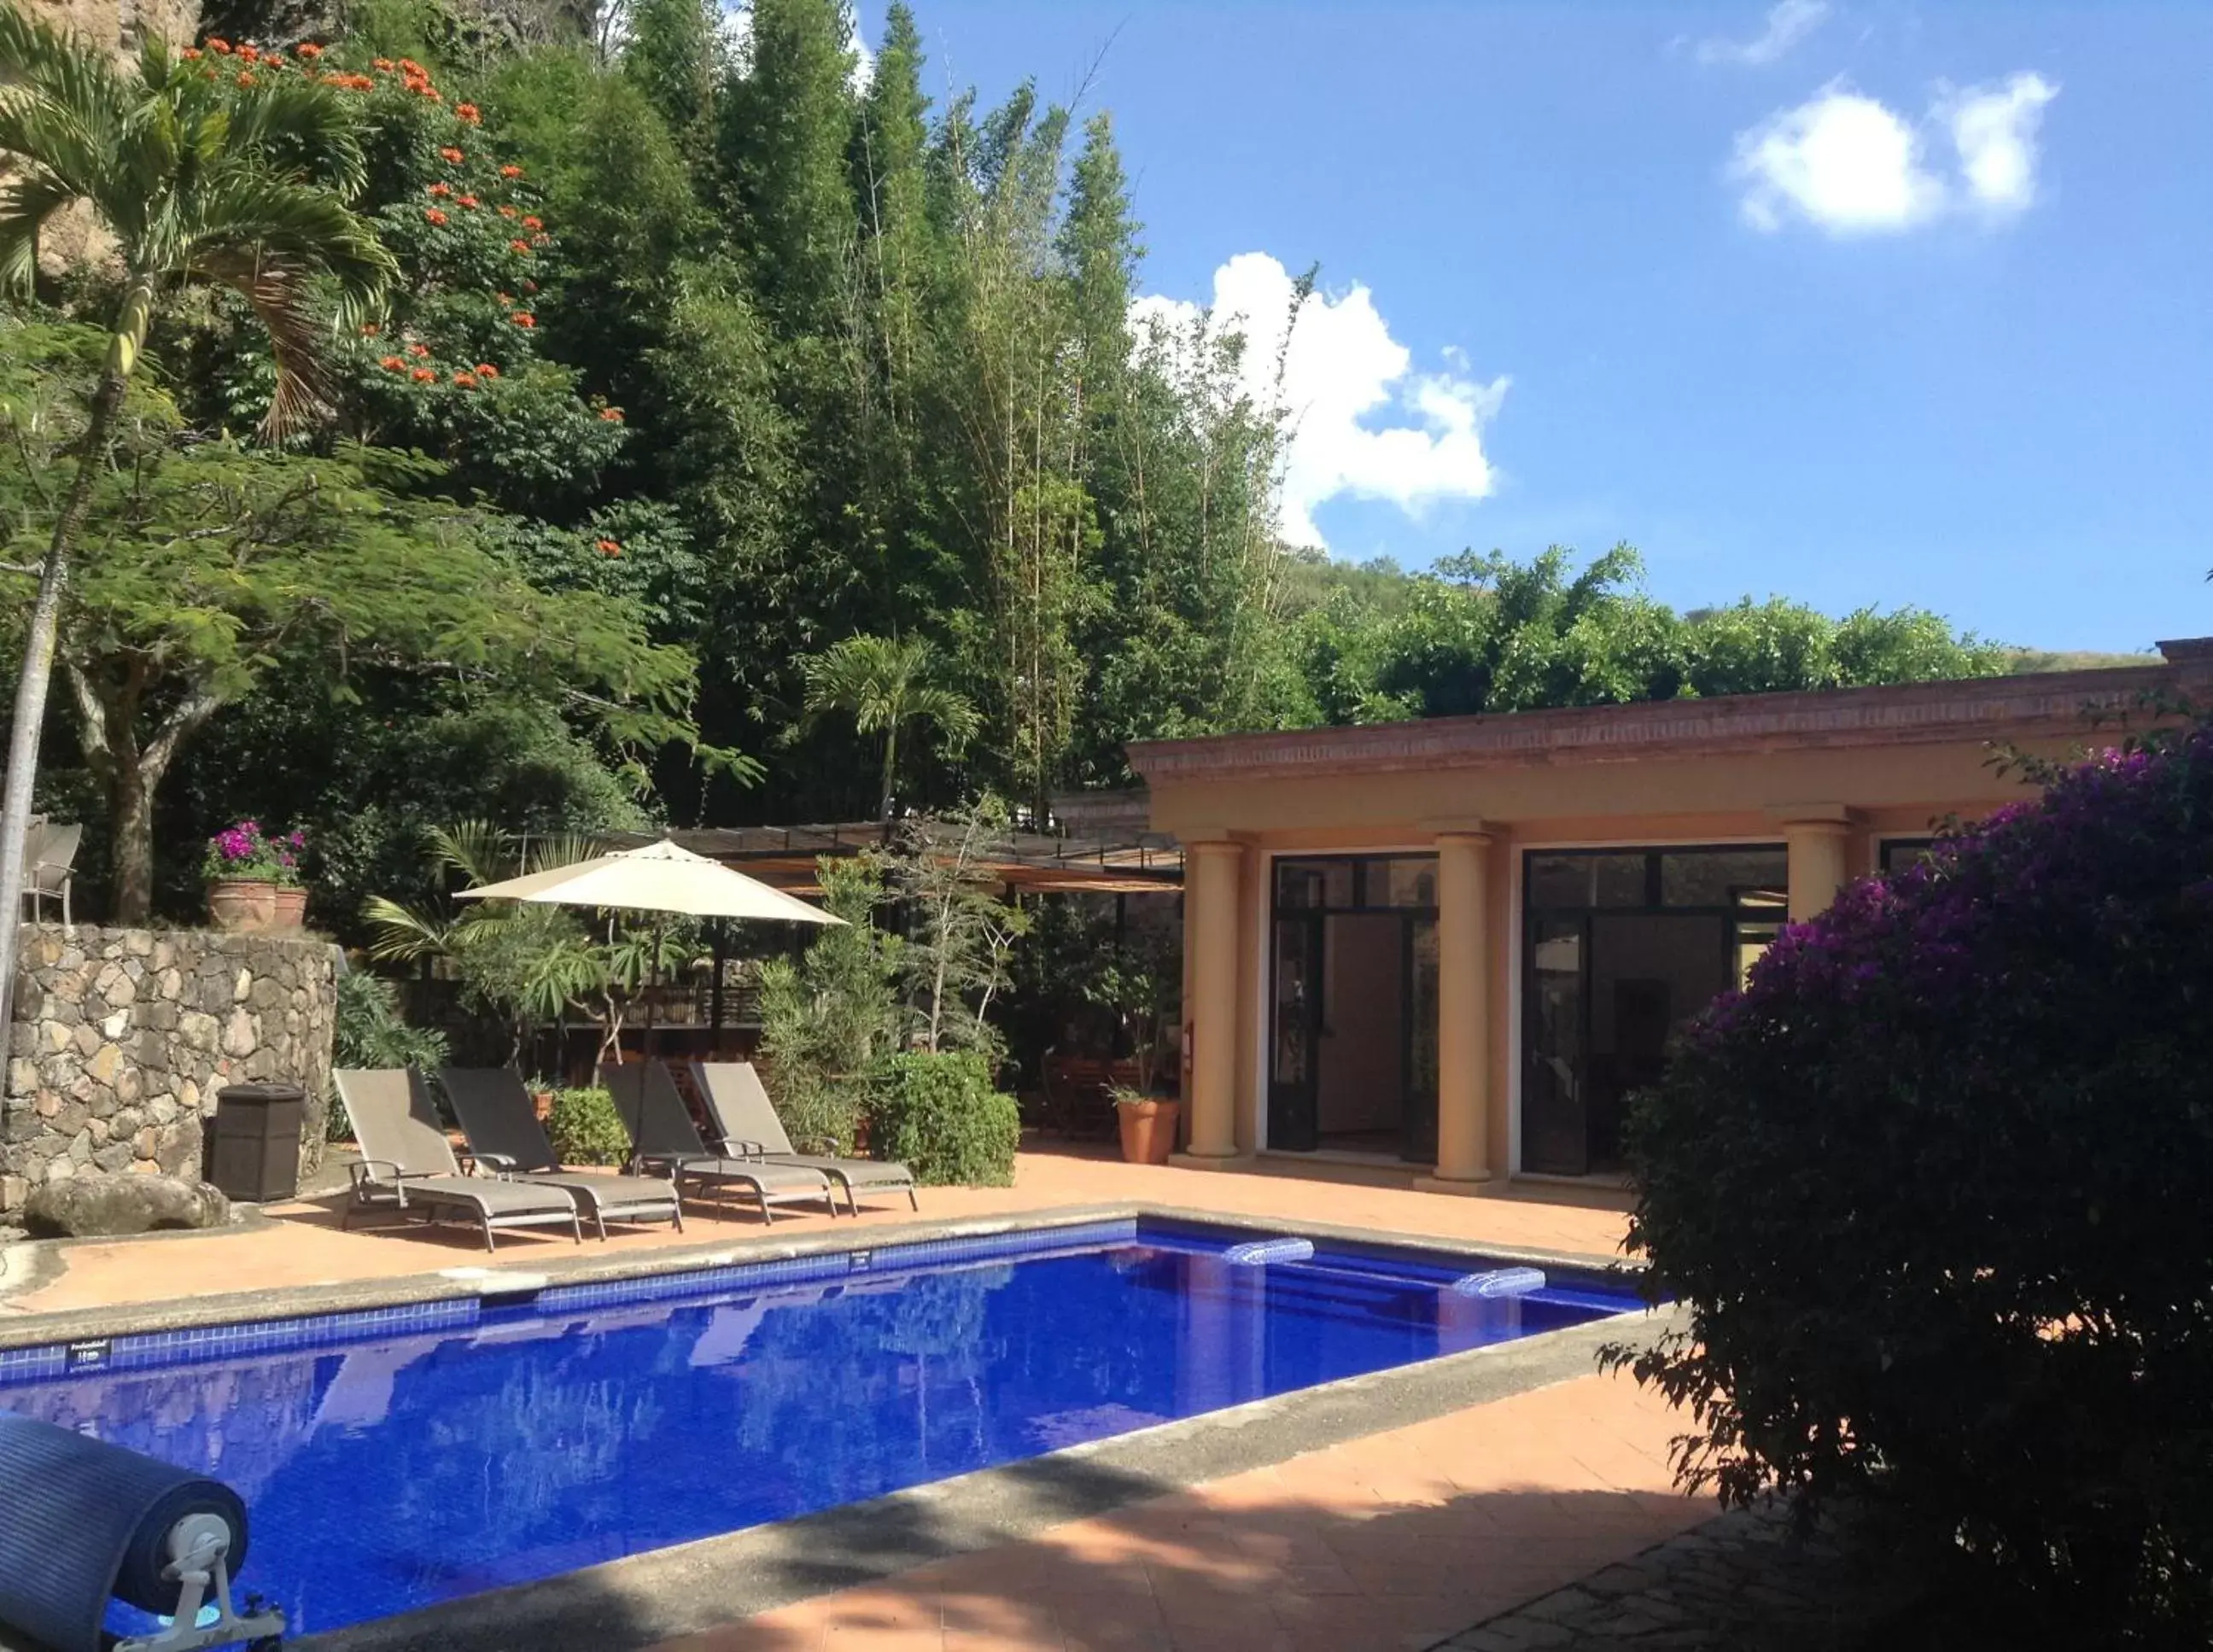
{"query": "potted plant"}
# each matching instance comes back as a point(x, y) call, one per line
point(1143, 987)
point(253, 879)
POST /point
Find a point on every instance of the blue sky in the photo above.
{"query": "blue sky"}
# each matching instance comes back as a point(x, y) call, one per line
point(1859, 303)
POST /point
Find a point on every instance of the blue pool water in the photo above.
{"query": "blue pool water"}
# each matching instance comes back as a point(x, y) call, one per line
point(389, 1474)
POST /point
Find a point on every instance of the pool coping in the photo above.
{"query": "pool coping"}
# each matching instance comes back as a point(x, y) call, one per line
point(21, 1332)
point(689, 1589)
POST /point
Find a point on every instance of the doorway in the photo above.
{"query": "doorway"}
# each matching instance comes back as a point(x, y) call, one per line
point(1621, 947)
point(1353, 1006)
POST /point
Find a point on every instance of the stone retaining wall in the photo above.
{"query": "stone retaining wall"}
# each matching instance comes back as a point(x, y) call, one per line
point(122, 1038)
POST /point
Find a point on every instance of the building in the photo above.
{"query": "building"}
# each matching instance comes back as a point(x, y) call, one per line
point(1458, 944)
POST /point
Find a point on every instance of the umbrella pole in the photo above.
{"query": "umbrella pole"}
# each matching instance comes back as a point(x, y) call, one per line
point(652, 980)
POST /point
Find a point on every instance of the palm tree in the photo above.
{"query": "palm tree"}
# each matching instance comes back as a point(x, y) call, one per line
point(884, 683)
point(239, 181)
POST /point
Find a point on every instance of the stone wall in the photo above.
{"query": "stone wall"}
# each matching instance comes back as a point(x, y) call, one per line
point(122, 1038)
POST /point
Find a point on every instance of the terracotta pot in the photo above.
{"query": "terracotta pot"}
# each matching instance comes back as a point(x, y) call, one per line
point(291, 906)
point(542, 1101)
point(1148, 1130)
point(242, 906)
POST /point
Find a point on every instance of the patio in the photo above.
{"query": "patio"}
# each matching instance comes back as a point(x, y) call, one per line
point(1398, 1537)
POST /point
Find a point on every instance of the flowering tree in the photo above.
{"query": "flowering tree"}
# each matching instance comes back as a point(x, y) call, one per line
point(1934, 1187)
point(452, 366)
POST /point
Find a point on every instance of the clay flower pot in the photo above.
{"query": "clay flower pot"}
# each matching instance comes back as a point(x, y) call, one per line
point(291, 912)
point(242, 906)
point(1149, 1128)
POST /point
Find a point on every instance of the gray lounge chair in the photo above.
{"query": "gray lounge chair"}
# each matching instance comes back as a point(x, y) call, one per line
point(506, 1139)
point(408, 1165)
point(747, 1122)
point(665, 1138)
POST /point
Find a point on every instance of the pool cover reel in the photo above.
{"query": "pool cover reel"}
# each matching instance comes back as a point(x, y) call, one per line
point(1254, 1252)
point(1501, 1282)
point(84, 1521)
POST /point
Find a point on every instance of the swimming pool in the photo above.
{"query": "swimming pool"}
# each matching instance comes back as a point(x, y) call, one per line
point(590, 1422)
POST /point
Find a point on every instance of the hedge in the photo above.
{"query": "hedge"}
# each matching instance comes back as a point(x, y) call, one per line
point(938, 1114)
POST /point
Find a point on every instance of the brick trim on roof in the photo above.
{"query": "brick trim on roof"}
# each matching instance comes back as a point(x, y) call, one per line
point(1996, 709)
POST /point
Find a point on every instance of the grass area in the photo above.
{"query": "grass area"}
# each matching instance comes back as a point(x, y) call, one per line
point(2024, 660)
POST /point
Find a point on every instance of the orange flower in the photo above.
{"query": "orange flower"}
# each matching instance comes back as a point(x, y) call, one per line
point(308, 50)
point(249, 54)
point(611, 415)
point(434, 216)
point(392, 364)
point(382, 66)
point(465, 380)
point(468, 112)
point(219, 48)
point(411, 66)
point(441, 190)
point(451, 154)
point(419, 350)
point(510, 171)
point(424, 375)
point(430, 92)
point(468, 201)
point(507, 299)
point(245, 79)
point(518, 246)
point(533, 224)
point(273, 59)
point(523, 318)
point(191, 53)
point(370, 330)
point(608, 547)
point(507, 212)
point(486, 370)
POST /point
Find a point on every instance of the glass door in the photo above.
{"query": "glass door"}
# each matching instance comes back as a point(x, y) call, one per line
point(1295, 1034)
point(1555, 1124)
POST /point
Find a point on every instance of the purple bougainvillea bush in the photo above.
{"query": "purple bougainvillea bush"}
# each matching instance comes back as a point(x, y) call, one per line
point(245, 850)
point(1937, 1189)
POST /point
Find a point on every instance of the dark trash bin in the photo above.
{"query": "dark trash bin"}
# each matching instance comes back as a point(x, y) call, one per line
point(255, 1152)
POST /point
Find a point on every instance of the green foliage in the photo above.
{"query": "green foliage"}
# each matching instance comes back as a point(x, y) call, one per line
point(885, 684)
point(828, 1021)
point(960, 934)
point(937, 1114)
point(370, 1032)
point(1932, 1187)
point(585, 1128)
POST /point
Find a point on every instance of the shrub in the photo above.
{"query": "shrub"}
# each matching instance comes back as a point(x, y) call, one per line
point(585, 1128)
point(1935, 1188)
point(369, 1031)
point(939, 1115)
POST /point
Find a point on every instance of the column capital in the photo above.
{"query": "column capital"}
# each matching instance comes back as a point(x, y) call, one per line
point(1465, 829)
point(1223, 847)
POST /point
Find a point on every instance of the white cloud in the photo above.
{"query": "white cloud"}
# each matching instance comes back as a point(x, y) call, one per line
point(1994, 129)
point(1788, 23)
point(1343, 375)
point(1851, 165)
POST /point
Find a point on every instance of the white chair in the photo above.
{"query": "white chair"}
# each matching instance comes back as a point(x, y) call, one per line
point(49, 855)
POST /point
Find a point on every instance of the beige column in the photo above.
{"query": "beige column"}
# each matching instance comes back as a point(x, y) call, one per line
point(1463, 1012)
point(1818, 870)
point(1210, 1017)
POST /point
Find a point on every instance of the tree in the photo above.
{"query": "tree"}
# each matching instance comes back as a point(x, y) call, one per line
point(239, 181)
point(216, 560)
point(960, 933)
point(884, 683)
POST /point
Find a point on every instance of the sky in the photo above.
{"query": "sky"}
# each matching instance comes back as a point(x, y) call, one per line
point(1855, 301)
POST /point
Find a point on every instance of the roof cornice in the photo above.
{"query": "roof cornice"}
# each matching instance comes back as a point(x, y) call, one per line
point(1976, 709)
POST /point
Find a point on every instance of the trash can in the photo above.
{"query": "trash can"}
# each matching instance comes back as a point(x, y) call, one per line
point(255, 1155)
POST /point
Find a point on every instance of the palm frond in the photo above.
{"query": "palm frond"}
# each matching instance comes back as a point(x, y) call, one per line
point(477, 849)
point(304, 130)
point(28, 203)
point(398, 935)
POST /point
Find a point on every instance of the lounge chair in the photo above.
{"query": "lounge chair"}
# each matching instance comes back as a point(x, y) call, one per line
point(506, 1139)
point(747, 1120)
point(408, 1165)
point(49, 862)
point(665, 1138)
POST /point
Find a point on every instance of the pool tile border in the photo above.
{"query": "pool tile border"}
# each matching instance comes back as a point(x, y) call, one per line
point(194, 1344)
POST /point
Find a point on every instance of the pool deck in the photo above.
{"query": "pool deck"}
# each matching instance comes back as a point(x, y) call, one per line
point(1390, 1516)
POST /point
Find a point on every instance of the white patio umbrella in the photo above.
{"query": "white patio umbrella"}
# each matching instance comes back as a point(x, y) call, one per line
point(659, 878)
